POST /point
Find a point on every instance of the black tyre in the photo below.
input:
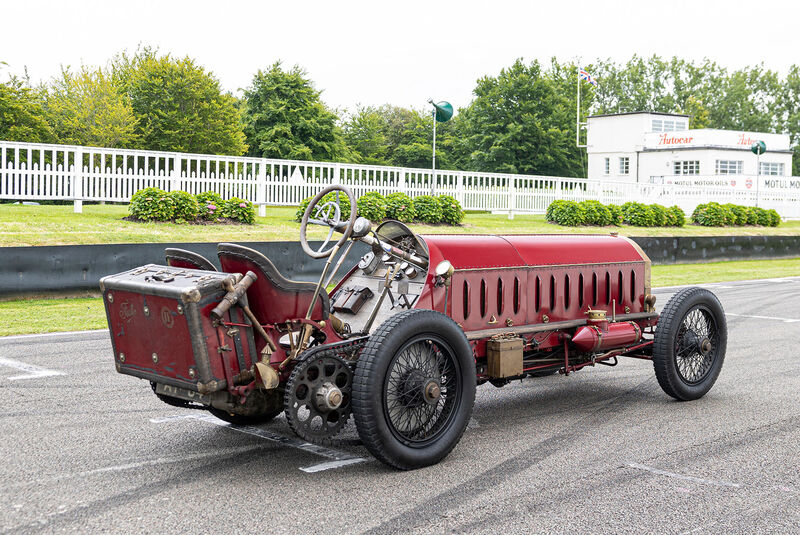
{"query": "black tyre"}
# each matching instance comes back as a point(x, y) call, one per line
point(689, 344)
point(414, 389)
point(261, 407)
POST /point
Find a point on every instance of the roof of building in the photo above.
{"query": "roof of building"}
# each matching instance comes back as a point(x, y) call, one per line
point(638, 113)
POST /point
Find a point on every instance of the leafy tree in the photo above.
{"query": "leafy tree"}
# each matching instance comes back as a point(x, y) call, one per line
point(86, 108)
point(285, 118)
point(22, 116)
point(365, 133)
point(519, 123)
point(179, 106)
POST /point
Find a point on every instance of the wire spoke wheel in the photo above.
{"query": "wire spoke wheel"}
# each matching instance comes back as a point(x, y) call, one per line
point(414, 389)
point(689, 344)
point(696, 345)
point(421, 390)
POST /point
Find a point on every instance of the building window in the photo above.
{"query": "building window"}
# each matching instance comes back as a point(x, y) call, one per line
point(607, 168)
point(687, 167)
point(729, 167)
point(624, 165)
point(771, 168)
point(668, 125)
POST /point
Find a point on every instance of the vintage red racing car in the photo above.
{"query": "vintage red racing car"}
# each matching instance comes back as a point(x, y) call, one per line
point(408, 333)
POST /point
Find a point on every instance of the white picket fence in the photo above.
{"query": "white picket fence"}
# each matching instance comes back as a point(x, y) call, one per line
point(33, 171)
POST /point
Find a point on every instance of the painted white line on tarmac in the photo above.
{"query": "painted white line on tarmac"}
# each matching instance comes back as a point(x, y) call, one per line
point(33, 372)
point(683, 477)
point(330, 464)
point(785, 320)
point(337, 458)
point(730, 284)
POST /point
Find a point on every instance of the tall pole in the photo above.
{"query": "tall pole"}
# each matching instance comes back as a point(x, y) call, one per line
point(433, 166)
point(758, 173)
point(578, 111)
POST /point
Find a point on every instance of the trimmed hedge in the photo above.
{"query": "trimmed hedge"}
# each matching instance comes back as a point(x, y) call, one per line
point(155, 204)
point(375, 207)
point(185, 207)
point(372, 205)
point(713, 214)
point(151, 204)
point(452, 213)
point(428, 208)
point(239, 210)
point(573, 214)
point(400, 206)
point(210, 204)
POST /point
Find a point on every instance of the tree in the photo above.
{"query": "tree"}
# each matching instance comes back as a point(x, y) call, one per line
point(178, 105)
point(365, 134)
point(86, 108)
point(22, 114)
point(285, 118)
point(519, 123)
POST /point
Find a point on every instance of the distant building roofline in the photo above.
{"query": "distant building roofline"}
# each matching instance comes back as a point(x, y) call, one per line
point(639, 113)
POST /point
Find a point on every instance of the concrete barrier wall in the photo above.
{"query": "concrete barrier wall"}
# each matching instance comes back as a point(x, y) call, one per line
point(27, 270)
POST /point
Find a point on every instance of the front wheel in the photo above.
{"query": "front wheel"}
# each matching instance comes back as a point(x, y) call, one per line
point(689, 344)
point(414, 389)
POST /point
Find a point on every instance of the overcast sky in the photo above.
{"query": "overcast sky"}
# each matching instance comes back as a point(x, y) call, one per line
point(397, 52)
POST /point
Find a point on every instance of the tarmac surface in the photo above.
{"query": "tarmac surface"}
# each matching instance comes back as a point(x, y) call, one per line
point(84, 449)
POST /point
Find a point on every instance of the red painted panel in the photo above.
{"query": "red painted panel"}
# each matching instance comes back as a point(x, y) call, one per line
point(471, 252)
point(536, 250)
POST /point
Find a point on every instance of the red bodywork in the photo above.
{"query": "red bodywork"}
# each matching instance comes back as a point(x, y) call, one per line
point(538, 287)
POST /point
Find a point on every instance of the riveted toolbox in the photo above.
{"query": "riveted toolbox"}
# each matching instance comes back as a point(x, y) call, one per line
point(161, 328)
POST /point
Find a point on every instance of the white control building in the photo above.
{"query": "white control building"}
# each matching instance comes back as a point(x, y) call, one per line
point(659, 148)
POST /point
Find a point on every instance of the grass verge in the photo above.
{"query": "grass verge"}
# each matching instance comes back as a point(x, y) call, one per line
point(76, 314)
point(57, 225)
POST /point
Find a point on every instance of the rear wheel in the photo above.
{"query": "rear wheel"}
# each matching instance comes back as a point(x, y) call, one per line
point(689, 344)
point(414, 389)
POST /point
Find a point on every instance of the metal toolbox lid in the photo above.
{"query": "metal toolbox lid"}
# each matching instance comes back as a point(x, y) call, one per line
point(189, 285)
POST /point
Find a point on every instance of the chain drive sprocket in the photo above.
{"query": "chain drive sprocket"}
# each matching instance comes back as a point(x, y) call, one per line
point(318, 375)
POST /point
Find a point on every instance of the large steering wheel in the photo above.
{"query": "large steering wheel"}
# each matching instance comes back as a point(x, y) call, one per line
point(327, 214)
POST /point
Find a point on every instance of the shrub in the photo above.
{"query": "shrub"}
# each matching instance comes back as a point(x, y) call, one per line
point(344, 205)
point(209, 204)
point(659, 215)
point(638, 214)
point(739, 213)
point(752, 215)
point(185, 207)
point(151, 204)
point(239, 210)
point(596, 213)
point(711, 214)
point(371, 205)
point(774, 218)
point(452, 213)
point(400, 206)
point(569, 213)
point(676, 216)
point(616, 214)
point(552, 209)
point(428, 208)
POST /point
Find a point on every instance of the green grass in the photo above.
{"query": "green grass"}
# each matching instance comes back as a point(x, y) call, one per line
point(679, 274)
point(74, 314)
point(58, 225)
point(27, 316)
